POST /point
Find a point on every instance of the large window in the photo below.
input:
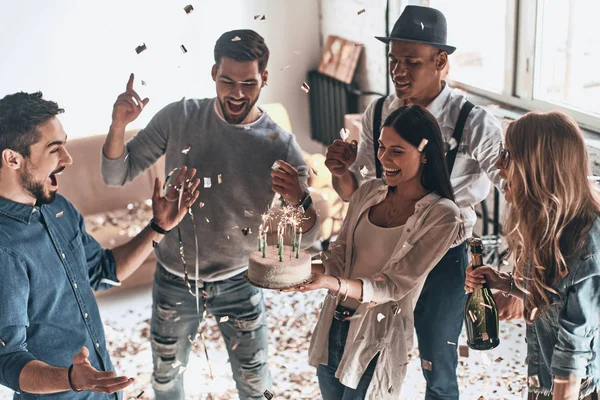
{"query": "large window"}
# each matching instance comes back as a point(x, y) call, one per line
point(535, 54)
point(567, 62)
point(480, 56)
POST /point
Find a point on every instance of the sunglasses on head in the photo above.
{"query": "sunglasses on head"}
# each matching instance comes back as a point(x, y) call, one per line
point(503, 157)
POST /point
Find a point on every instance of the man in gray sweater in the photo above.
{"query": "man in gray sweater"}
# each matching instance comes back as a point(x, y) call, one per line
point(233, 144)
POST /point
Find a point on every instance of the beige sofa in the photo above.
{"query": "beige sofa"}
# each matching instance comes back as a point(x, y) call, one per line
point(115, 214)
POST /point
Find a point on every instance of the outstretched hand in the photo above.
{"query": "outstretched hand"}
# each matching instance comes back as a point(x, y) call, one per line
point(170, 208)
point(85, 377)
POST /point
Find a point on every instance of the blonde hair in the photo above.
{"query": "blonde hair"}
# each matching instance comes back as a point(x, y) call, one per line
point(553, 203)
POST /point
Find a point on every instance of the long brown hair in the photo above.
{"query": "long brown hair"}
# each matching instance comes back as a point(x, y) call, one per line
point(553, 203)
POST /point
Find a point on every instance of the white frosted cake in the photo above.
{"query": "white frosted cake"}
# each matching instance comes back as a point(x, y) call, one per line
point(270, 273)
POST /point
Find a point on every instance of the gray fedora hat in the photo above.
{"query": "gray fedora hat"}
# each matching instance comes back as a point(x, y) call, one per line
point(421, 24)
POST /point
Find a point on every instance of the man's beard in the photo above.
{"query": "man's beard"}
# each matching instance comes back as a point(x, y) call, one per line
point(234, 119)
point(35, 188)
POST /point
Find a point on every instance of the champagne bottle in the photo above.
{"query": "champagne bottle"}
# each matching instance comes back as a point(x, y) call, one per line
point(481, 312)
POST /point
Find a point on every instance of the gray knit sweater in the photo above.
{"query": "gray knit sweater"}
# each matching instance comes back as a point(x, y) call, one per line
point(241, 154)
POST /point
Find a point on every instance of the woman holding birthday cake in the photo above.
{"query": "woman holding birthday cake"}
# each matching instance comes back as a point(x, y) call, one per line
point(395, 232)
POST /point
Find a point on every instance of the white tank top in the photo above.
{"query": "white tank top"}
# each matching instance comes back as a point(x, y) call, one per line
point(373, 246)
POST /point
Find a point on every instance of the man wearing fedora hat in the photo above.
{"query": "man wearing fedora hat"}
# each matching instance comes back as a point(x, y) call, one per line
point(418, 55)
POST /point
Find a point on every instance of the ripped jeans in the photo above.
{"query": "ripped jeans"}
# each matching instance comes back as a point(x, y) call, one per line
point(174, 318)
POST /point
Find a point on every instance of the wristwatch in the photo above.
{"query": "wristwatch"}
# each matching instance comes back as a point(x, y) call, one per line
point(157, 228)
point(306, 201)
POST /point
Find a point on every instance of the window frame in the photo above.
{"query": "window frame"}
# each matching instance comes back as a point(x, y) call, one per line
point(520, 57)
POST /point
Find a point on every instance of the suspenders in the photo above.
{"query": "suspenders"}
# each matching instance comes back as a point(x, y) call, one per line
point(457, 135)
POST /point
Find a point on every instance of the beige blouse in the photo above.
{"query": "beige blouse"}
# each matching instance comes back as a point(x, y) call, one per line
point(392, 292)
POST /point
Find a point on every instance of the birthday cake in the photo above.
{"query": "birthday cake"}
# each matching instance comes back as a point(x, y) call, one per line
point(270, 273)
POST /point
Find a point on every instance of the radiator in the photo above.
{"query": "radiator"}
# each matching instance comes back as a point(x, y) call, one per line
point(329, 100)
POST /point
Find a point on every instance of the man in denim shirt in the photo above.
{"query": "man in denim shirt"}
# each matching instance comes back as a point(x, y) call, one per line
point(52, 341)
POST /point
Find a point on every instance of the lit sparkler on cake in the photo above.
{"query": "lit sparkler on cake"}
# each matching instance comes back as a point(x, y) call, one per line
point(280, 265)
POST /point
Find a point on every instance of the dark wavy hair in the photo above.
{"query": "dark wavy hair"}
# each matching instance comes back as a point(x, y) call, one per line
point(250, 47)
point(414, 123)
point(20, 115)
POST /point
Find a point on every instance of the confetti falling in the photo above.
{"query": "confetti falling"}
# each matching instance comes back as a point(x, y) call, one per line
point(186, 149)
point(472, 316)
point(207, 183)
point(182, 370)
point(207, 220)
point(499, 359)
point(451, 343)
point(154, 244)
point(220, 179)
point(486, 305)
point(422, 145)
point(452, 144)
point(176, 364)
point(224, 319)
point(2, 343)
point(344, 133)
point(380, 317)
point(533, 381)
point(305, 87)
point(463, 351)
point(260, 17)
point(188, 9)
point(291, 318)
point(276, 165)
point(126, 157)
point(248, 214)
point(140, 48)
point(247, 231)
point(361, 11)
point(201, 204)
point(314, 171)
point(143, 84)
point(286, 67)
point(268, 395)
point(426, 365)
point(59, 214)
point(364, 171)
point(139, 395)
point(236, 39)
point(183, 49)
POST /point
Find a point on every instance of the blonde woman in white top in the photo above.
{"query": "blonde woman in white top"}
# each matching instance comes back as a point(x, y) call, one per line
point(395, 232)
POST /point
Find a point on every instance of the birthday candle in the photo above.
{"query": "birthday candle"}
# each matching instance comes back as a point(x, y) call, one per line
point(299, 241)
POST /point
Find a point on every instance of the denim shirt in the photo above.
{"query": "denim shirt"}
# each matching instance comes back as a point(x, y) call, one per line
point(563, 340)
point(48, 268)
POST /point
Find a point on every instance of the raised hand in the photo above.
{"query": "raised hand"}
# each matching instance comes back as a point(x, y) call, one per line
point(286, 183)
point(128, 106)
point(85, 377)
point(169, 210)
point(340, 156)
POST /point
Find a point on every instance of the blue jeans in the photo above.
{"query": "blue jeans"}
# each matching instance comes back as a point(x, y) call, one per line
point(174, 318)
point(438, 320)
point(331, 387)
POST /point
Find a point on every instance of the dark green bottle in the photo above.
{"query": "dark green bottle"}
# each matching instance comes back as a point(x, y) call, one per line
point(481, 312)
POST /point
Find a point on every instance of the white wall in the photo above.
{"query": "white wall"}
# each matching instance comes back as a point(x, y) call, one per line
point(80, 53)
point(340, 17)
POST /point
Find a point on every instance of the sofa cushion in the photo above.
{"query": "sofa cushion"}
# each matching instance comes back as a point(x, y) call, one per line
point(82, 182)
